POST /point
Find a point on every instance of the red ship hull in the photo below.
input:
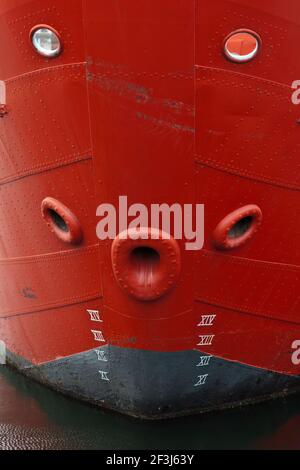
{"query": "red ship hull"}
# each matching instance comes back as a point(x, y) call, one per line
point(143, 102)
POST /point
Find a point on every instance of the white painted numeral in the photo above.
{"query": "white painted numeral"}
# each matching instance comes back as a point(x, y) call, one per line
point(2, 353)
point(207, 320)
point(101, 355)
point(2, 92)
point(204, 361)
point(201, 381)
point(95, 315)
point(98, 336)
point(206, 340)
point(104, 375)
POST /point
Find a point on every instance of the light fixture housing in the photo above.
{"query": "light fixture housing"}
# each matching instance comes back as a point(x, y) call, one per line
point(46, 41)
point(242, 46)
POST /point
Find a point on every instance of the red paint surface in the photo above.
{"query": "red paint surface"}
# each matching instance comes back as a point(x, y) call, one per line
point(162, 117)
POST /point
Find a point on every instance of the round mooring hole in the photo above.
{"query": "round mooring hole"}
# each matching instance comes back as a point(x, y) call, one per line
point(145, 256)
point(240, 228)
point(145, 265)
point(58, 220)
point(146, 270)
point(61, 221)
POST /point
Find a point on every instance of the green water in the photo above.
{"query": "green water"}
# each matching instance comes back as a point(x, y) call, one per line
point(33, 417)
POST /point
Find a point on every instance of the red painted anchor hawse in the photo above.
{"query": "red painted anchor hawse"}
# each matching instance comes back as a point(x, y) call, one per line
point(181, 101)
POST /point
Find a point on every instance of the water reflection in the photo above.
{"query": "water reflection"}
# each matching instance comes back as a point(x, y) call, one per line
point(33, 417)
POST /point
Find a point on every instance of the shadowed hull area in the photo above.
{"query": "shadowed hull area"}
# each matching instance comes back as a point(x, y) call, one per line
point(157, 385)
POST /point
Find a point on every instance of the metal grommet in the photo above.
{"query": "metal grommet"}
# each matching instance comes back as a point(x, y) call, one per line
point(62, 221)
point(238, 228)
point(146, 268)
point(46, 41)
point(242, 46)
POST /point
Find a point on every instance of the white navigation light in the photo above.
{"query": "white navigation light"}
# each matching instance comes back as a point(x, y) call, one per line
point(46, 41)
